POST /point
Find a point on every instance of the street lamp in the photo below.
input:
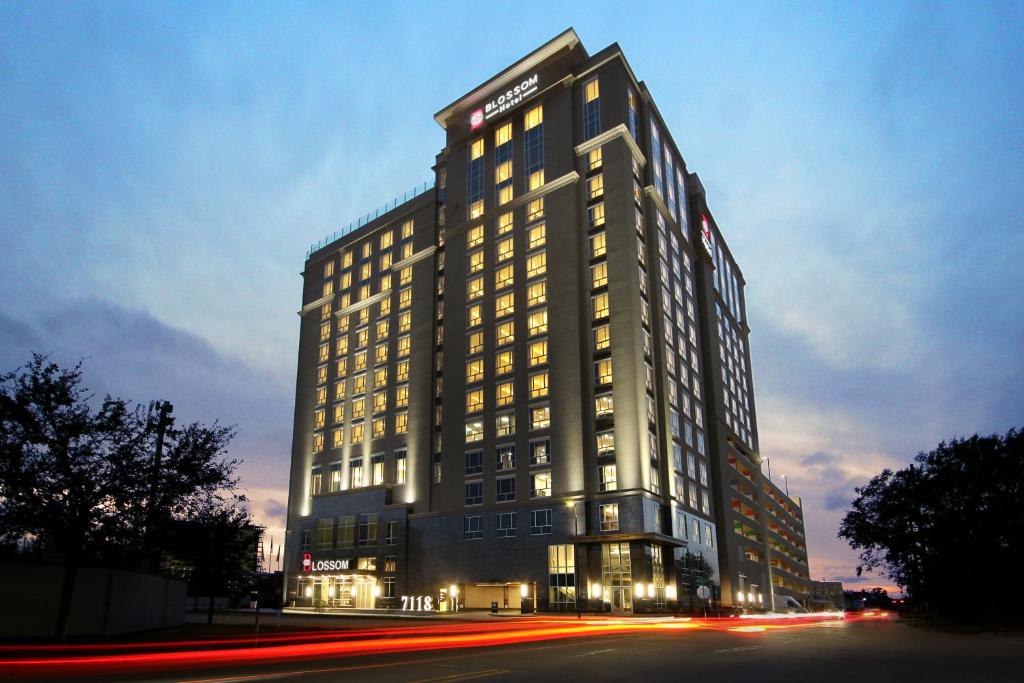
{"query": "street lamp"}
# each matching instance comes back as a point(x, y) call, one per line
point(571, 504)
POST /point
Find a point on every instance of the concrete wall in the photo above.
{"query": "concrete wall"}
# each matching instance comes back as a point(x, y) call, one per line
point(106, 601)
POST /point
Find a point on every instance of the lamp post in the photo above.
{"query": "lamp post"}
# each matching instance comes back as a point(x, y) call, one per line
point(571, 504)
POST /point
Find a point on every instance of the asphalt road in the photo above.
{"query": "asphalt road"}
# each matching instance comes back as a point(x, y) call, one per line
point(875, 651)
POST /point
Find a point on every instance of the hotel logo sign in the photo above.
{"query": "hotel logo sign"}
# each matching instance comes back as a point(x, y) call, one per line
point(706, 237)
point(308, 565)
point(506, 101)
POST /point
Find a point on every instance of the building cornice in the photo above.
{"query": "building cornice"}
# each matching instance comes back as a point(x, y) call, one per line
point(313, 305)
point(609, 135)
point(360, 305)
point(566, 40)
point(660, 203)
point(418, 256)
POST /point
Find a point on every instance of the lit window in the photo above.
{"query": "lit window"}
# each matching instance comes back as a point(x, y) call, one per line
point(401, 474)
point(595, 216)
point(534, 117)
point(475, 288)
point(535, 236)
point(403, 346)
point(405, 321)
point(594, 159)
point(610, 517)
point(504, 393)
point(505, 333)
point(474, 315)
point(402, 370)
point(380, 401)
point(405, 298)
point(475, 236)
point(324, 353)
point(599, 275)
point(602, 337)
point(385, 306)
point(591, 109)
point(598, 244)
point(407, 229)
point(474, 431)
point(504, 223)
point(607, 478)
point(540, 485)
point(603, 371)
point(339, 390)
point(321, 374)
point(402, 396)
point(475, 370)
point(603, 405)
point(505, 192)
point(502, 134)
point(536, 293)
point(600, 305)
point(318, 443)
point(475, 343)
point(358, 433)
point(346, 260)
point(319, 418)
point(329, 268)
point(540, 452)
point(359, 383)
point(536, 264)
point(385, 263)
point(538, 352)
point(476, 261)
point(476, 149)
point(539, 385)
point(504, 305)
point(474, 401)
point(605, 443)
point(321, 396)
point(537, 322)
point(380, 354)
point(325, 311)
point(540, 417)
point(503, 277)
point(505, 424)
point(535, 210)
point(595, 186)
point(405, 275)
point(359, 407)
point(379, 427)
point(502, 362)
point(382, 328)
point(505, 249)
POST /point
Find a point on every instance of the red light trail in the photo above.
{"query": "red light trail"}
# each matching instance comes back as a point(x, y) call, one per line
point(133, 658)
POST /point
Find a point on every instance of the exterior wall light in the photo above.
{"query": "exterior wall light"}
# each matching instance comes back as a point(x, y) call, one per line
point(524, 590)
point(638, 590)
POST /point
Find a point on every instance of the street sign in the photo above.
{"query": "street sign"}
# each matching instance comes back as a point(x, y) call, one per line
point(703, 592)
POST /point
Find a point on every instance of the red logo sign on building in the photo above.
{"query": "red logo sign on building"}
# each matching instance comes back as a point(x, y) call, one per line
point(476, 119)
point(307, 562)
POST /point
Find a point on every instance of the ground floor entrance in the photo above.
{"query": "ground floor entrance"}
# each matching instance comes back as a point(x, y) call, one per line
point(339, 590)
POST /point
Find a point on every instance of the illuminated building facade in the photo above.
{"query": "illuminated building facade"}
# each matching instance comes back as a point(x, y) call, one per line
point(509, 388)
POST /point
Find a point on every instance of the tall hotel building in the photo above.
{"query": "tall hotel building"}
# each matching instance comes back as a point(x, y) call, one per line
point(528, 382)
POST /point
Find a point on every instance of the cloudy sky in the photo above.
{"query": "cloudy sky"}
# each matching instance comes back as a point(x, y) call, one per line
point(163, 168)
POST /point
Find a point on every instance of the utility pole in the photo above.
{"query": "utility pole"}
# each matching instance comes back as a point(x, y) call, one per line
point(163, 421)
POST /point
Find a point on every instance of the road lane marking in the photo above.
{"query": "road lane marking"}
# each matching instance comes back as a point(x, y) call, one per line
point(483, 673)
point(593, 652)
point(739, 649)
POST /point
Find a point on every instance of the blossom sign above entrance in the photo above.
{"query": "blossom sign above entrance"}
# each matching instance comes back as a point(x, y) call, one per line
point(309, 565)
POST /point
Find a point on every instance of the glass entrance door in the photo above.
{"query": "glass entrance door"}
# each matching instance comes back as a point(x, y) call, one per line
point(617, 574)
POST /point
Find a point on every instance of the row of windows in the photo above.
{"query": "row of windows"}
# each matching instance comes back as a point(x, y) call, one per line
point(505, 488)
point(357, 477)
point(505, 524)
point(349, 531)
point(533, 162)
point(505, 457)
point(505, 423)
